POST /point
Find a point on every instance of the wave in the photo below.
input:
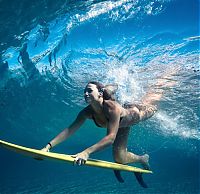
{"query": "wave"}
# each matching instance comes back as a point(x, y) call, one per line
point(99, 40)
point(45, 27)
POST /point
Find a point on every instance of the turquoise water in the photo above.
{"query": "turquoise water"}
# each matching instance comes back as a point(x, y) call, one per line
point(128, 42)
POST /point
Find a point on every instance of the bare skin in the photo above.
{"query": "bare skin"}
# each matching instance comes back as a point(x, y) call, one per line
point(107, 114)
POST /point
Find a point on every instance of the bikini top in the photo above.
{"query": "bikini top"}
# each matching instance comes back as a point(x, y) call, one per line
point(97, 124)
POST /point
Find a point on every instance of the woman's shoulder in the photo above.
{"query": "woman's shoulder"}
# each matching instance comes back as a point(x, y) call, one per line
point(111, 105)
point(87, 111)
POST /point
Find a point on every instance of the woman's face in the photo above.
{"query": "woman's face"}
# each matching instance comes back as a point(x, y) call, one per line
point(91, 93)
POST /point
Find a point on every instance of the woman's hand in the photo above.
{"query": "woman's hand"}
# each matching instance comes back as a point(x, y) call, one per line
point(46, 148)
point(81, 158)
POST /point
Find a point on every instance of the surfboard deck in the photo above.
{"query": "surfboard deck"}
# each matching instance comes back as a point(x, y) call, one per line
point(41, 155)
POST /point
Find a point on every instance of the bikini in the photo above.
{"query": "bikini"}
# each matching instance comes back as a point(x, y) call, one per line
point(148, 109)
point(93, 118)
point(97, 124)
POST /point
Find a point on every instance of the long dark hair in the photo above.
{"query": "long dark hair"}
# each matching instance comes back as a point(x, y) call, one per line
point(107, 94)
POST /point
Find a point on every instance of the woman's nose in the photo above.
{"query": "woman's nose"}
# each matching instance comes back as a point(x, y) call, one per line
point(86, 93)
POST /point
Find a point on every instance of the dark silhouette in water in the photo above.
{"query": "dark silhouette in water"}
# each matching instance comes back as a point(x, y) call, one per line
point(28, 65)
point(3, 66)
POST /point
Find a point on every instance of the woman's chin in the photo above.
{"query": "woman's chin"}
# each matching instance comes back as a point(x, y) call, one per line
point(88, 100)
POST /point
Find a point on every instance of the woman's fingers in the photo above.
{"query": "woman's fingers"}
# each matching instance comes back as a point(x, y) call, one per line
point(83, 162)
point(79, 161)
point(80, 158)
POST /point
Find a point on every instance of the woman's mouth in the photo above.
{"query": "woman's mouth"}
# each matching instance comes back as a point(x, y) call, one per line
point(87, 98)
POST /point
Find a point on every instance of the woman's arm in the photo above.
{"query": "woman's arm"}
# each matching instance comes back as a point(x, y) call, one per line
point(112, 128)
point(66, 133)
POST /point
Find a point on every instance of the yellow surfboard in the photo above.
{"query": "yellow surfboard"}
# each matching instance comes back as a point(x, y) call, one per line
point(38, 154)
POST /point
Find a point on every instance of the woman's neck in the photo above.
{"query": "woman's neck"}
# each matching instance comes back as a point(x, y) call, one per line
point(97, 106)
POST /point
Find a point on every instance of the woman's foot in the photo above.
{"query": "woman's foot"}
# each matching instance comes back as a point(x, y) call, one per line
point(145, 161)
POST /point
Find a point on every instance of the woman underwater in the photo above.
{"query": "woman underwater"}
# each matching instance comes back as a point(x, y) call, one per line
point(108, 113)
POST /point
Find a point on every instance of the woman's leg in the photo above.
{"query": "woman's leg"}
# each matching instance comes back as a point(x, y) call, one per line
point(146, 111)
point(156, 91)
point(120, 153)
point(122, 156)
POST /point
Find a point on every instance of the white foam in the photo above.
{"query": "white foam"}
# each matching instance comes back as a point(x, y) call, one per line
point(171, 125)
point(129, 89)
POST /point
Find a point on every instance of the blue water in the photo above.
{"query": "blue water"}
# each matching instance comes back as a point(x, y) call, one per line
point(128, 42)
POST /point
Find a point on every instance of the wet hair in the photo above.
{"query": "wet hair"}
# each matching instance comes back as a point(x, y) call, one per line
point(107, 94)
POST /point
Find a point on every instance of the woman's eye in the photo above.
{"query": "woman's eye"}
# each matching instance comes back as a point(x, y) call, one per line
point(88, 90)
